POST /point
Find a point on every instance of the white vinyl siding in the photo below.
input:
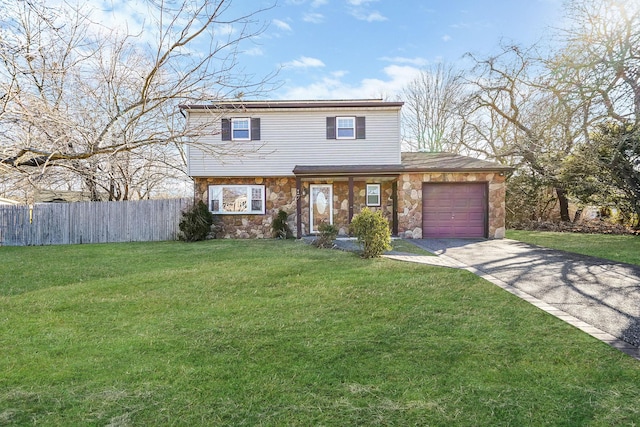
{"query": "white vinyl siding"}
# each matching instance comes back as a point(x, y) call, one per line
point(297, 137)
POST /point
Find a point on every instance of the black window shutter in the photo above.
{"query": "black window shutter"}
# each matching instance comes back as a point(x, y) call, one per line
point(255, 129)
point(331, 128)
point(226, 130)
point(360, 128)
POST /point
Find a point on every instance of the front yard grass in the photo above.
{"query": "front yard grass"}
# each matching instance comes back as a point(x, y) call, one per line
point(282, 333)
point(405, 246)
point(622, 248)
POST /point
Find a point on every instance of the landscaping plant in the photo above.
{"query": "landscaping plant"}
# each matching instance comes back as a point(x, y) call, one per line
point(372, 231)
point(327, 233)
point(196, 223)
point(280, 227)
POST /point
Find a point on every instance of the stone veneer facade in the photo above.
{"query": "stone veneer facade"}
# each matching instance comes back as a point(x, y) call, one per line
point(281, 194)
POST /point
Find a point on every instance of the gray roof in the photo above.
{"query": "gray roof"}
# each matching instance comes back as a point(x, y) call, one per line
point(447, 162)
point(411, 162)
point(247, 105)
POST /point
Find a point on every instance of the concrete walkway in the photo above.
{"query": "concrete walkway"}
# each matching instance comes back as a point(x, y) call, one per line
point(600, 297)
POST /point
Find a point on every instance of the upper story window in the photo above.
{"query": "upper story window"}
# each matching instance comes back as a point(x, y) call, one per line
point(241, 129)
point(346, 127)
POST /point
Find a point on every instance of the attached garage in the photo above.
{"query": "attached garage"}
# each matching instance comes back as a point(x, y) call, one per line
point(443, 195)
point(454, 210)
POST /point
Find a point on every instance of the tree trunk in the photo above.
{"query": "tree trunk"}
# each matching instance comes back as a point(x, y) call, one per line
point(564, 204)
point(577, 216)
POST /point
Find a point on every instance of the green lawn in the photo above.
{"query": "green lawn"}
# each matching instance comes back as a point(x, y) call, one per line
point(623, 248)
point(405, 246)
point(280, 333)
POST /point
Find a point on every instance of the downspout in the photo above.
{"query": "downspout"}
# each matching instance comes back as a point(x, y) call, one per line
point(394, 204)
point(298, 207)
point(350, 199)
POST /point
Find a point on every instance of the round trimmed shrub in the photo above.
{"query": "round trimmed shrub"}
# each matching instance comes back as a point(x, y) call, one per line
point(372, 231)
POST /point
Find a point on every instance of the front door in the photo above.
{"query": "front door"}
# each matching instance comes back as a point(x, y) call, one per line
point(321, 205)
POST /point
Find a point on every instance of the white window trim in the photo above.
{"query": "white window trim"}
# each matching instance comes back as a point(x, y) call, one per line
point(249, 191)
point(238, 119)
point(378, 187)
point(353, 119)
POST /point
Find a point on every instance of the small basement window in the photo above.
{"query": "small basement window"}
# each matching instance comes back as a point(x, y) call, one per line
point(237, 199)
point(373, 194)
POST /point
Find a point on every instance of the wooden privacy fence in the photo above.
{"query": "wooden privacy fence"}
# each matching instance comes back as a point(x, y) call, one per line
point(91, 222)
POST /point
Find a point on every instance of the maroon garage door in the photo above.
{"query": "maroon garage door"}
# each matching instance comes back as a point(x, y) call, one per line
point(454, 210)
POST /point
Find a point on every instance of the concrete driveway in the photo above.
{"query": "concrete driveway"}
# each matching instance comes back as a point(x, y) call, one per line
point(604, 294)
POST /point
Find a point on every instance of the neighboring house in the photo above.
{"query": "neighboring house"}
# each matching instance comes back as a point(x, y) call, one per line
point(6, 202)
point(323, 161)
point(61, 196)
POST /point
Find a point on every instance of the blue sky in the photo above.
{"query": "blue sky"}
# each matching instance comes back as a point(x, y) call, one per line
point(371, 48)
point(336, 49)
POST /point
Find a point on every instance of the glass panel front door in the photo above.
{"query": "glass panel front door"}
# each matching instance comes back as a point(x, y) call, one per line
point(321, 205)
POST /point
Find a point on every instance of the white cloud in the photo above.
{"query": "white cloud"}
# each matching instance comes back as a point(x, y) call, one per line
point(368, 16)
point(333, 87)
point(254, 51)
point(304, 62)
point(359, 10)
point(477, 25)
point(360, 2)
point(314, 3)
point(224, 29)
point(314, 18)
point(417, 61)
point(460, 25)
point(446, 38)
point(282, 25)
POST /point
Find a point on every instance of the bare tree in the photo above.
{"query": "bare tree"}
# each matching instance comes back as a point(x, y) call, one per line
point(430, 113)
point(599, 62)
point(100, 104)
point(485, 133)
point(598, 67)
point(536, 111)
point(538, 127)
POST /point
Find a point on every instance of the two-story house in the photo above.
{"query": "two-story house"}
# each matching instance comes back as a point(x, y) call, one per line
point(326, 160)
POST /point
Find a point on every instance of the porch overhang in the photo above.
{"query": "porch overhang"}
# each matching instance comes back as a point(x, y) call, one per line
point(347, 170)
point(348, 173)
